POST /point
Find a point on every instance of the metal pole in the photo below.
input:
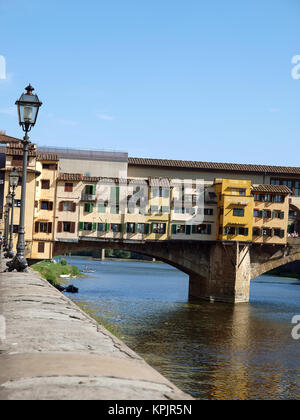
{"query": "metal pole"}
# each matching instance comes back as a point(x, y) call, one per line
point(10, 253)
point(6, 216)
point(19, 262)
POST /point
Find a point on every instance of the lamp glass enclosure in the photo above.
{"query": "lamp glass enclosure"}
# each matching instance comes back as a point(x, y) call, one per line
point(14, 178)
point(9, 199)
point(28, 107)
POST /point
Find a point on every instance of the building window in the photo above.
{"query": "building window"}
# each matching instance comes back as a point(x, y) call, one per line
point(102, 207)
point(256, 213)
point(266, 232)
point(238, 212)
point(116, 227)
point(140, 228)
point(178, 229)
point(90, 189)
point(41, 247)
point(266, 214)
point(242, 231)
point(229, 230)
point(88, 207)
point(256, 197)
point(208, 212)
point(101, 227)
point(43, 227)
point(159, 228)
point(278, 198)
point(203, 229)
point(256, 231)
point(15, 228)
point(165, 209)
point(179, 210)
point(130, 228)
point(242, 192)
point(154, 209)
point(17, 203)
point(46, 205)
point(45, 184)
point(68, 187)
point(52, 166)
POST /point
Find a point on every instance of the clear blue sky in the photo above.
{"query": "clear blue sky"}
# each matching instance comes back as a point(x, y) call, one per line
point(196, 80)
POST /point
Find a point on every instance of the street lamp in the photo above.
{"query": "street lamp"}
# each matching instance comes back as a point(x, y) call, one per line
point(6, 223)
point(28, 107)
point(13, 183)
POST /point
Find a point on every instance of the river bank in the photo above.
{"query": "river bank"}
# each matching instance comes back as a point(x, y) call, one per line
point(53, 350)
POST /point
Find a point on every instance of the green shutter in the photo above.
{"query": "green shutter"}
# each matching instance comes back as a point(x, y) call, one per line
point(208, 229)
point(188, 230)
point(146, 228)
point(94, 227)
point(282, 215)
point(174, 229)
point(107, 227)
point(94, 190)
point(282, 234)
point(91, 208)
point(120, 228)
point(80, 225)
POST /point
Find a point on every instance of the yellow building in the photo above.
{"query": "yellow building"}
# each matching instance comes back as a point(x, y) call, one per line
point(235, 210)
point(270, 213)
point(44, 207)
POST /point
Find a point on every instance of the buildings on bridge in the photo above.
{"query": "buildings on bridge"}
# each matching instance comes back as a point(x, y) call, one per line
point(75, 195)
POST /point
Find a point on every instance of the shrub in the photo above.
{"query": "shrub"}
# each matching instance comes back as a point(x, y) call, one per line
point(63, 261)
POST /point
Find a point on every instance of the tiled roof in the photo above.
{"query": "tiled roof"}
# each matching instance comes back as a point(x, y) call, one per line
point(50, 157)
point(20, 170)
point(271, 189)
point(8, 139)
point(19, 152)
point(213, 166)
point(70, 177)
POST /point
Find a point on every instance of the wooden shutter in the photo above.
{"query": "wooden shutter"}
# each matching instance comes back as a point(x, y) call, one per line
point(188, 229)
point(37, 224)
point(174, 229)
point(282, 215)
point(94, 189)
point(80, 226)
point(147, 228)
point(59, 227)
point(73, 206)
point(50, 227)
point(61, 206)
point(107, 227)
point(50, 205)
point(94, 227)
point(209, 230)
point(72, 227)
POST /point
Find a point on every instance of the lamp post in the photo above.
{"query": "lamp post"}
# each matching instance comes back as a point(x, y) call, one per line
point(13, 183)
point(28, 107)
point(6, 222)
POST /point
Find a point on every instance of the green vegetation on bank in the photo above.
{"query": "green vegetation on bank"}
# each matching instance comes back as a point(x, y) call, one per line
point(93, 313)
point(51, 271)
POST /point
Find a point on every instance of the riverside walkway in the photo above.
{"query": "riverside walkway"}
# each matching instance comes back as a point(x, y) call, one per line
point(53, 350)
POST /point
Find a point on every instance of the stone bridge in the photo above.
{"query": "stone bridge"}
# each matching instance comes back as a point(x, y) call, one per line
point(218, 271)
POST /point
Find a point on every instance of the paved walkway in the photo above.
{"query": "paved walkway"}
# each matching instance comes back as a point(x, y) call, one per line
point(53, 350)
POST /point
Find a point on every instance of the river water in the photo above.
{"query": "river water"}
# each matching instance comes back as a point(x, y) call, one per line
point(212, 351)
